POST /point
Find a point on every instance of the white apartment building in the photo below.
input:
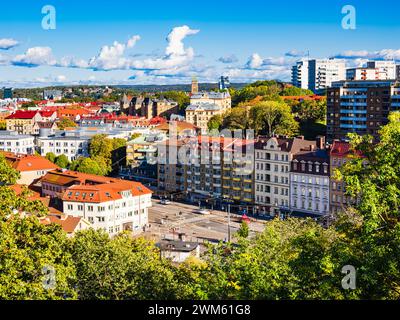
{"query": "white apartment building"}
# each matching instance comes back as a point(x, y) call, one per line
point(113, 205)
point(300, 74)
point(11, 141)
point(318, 74)
point(322, 72)
point(386, 69)
point(70, 145)
point(359, 74)
point(272, 171)
point(309, 183)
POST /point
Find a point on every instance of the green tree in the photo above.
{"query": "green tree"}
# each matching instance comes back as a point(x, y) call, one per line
point(295, 91)
point(374, 179)
point(310, 110)
point(121, 268)
point(8, 175)
point(51, 157)
point(215, 122)
point(62, 161)
point(100, 145)
point(66, 123)
point(237, 118)
point(88, 165)
point(243, 232)
point(28, 249)
point(276, 117)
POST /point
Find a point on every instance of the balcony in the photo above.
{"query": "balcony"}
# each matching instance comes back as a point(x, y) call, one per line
point(353, 111)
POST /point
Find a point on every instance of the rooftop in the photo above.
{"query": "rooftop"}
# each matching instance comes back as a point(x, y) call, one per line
point(23, 162)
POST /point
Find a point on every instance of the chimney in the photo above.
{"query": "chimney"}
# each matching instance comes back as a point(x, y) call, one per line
point(320, 142)
point(300, 137)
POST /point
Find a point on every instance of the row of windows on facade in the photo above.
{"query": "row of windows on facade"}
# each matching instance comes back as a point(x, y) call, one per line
point(267, 177)
point(267, 189)
point(309, 192)
point(102, 209)
point(260, 166)
point(267, 200)
point(310, 206)
point(267, 156)
point(310, 180)
point(17, 150)
point(17, 143)
point(72, 151)
point(310, 166)
point(65, 144)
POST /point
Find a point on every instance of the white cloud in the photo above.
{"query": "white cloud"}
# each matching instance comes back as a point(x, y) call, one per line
point(61, 78)
point(254, 62)
point(112, 57)
point(132, 41)
point(72, 62)
point(176, 55)
point(385, 54)
point(295, 53)
point(36, 56)
point(6, 44)
point(175, 40)
point(228, 59)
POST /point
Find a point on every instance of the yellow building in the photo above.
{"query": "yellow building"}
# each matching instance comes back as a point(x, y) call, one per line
point(203, 106)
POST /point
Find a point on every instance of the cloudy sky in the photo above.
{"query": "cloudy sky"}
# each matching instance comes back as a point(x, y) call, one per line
point(164, 42)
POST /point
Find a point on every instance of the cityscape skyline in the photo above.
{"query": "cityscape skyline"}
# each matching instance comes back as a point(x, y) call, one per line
point(107, 46)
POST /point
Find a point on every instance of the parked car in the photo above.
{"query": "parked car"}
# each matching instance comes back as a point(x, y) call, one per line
point(202, 211)
point(165, 201)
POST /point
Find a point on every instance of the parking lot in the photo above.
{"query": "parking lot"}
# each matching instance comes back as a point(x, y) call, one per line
point(167, 221)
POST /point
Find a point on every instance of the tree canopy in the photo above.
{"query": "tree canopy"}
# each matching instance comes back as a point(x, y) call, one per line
point(66, 123)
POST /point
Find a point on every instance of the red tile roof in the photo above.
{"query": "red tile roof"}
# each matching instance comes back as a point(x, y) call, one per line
point(67, 223)
point(23, 162)
point(46, 114)
point(22, 114)
point(84, 187)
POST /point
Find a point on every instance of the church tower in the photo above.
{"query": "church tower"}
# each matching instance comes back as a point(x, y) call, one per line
point(195, 85)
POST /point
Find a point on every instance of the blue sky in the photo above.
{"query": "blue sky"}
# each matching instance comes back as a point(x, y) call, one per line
point(126, 42)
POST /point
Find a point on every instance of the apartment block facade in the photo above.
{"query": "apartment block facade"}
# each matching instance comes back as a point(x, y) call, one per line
point(360, 106)
point(318, 74)
point(273, 156)
point(309, 182)
point(11, 141)
point(113, 205)
point(220, 168)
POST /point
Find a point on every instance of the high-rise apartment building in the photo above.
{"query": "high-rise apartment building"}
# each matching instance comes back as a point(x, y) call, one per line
point(323, 72)
point(360, 106)
point(300, 74)
point(318, 74)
